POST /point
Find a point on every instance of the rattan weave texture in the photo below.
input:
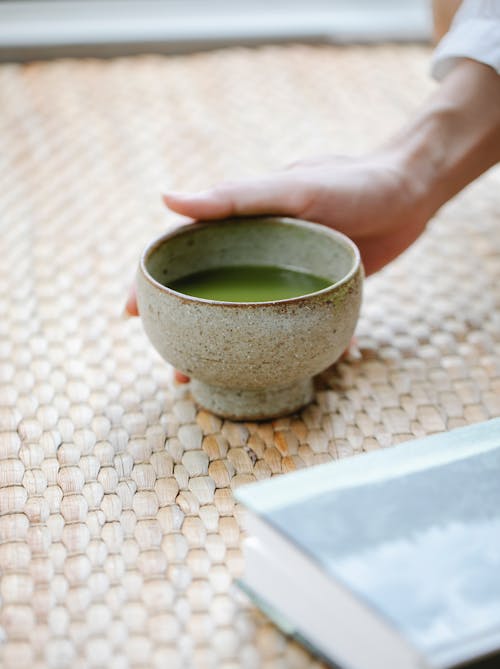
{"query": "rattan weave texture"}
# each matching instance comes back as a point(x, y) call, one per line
point(119, 537)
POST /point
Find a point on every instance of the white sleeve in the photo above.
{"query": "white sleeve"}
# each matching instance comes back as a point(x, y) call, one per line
point(474, 33)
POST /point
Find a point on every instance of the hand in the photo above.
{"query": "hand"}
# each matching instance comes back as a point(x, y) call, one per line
point(371, 199)
point(365, 198)
point(382, 200)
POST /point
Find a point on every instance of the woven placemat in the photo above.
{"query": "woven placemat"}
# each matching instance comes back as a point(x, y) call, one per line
point(119, 536)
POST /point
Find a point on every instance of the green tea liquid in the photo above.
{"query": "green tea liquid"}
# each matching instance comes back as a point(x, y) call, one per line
point(249, 283)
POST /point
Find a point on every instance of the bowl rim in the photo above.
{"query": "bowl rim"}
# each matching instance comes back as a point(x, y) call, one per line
point(187, 228)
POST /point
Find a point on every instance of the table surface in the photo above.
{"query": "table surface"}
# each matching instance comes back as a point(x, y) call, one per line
point(119, 536)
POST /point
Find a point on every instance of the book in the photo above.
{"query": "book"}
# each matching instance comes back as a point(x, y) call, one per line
point(386, 560)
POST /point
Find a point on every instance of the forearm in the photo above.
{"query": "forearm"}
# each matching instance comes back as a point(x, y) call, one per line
point(454, 138)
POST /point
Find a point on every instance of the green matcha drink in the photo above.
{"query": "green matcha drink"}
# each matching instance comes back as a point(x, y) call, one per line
point(249, 283)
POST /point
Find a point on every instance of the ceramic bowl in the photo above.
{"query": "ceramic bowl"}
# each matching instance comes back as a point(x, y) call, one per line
point(252, 360)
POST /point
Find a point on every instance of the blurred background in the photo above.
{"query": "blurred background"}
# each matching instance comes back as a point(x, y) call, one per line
point(37, 29)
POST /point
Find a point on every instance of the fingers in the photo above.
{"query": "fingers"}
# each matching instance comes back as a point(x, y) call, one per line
point(276, 194)
point(353, 346)
point(131, 308)
point(202, 205)
point(328, 160)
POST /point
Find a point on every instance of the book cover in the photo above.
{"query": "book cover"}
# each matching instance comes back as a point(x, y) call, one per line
point(412, 531)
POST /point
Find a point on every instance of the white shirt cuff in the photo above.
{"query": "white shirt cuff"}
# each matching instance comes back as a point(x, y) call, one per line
point(475, 38)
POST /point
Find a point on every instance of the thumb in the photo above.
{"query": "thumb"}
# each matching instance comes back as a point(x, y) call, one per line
point(276, 194)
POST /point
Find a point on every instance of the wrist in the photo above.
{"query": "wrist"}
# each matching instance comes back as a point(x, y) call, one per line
point(418, 156)
point(422, 158)
point(454, 139)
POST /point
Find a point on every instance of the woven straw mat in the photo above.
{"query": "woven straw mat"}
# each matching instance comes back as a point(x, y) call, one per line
point(119, 536)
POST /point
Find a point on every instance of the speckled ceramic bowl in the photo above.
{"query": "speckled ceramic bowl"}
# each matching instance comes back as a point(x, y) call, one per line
point(251, 360)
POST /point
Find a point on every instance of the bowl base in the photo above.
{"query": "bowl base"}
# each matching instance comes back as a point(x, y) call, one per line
point(245, 404)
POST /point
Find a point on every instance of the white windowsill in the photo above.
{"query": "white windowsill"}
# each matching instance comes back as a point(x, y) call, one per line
point(102, 27)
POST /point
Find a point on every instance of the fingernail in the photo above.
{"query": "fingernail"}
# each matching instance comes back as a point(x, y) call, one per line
point(176, 195)
point(199, 195)
point(180, 377)
point(128, 312)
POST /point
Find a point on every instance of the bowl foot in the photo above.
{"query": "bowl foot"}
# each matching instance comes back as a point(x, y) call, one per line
point(244, 404)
